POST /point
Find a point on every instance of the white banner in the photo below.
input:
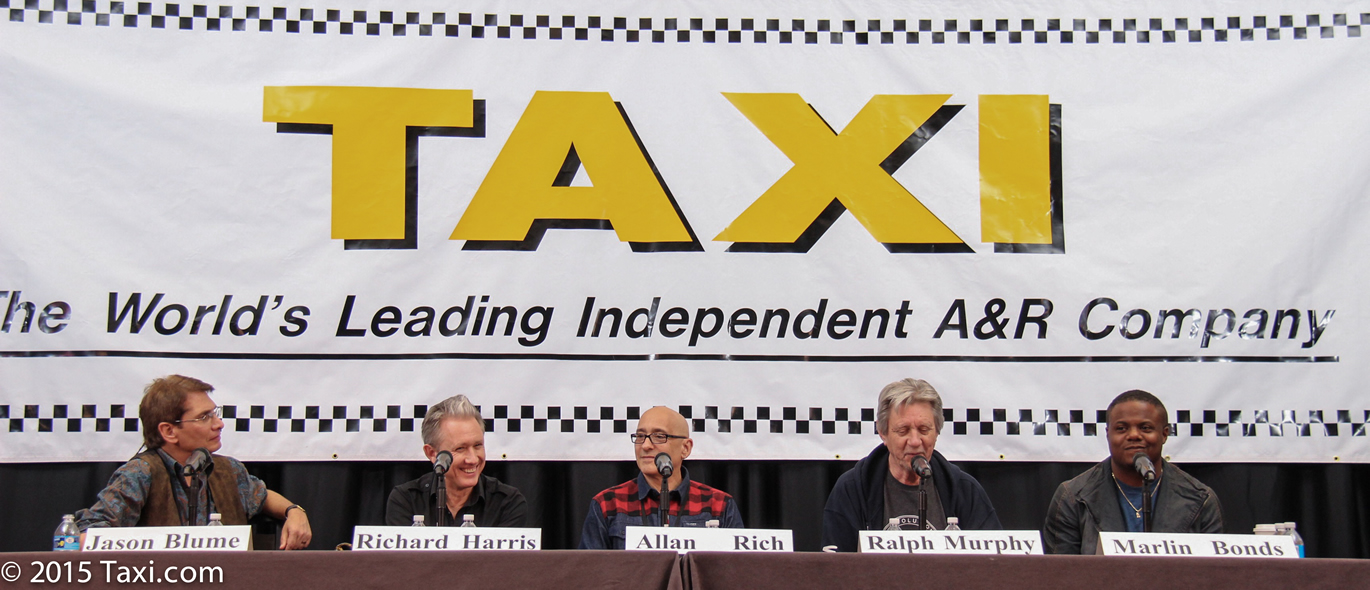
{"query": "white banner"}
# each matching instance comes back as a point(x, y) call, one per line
point(760, 214)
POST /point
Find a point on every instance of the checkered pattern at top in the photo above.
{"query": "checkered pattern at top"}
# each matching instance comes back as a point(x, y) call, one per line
point(623, 499)
point(910, 30)
point(731, 420)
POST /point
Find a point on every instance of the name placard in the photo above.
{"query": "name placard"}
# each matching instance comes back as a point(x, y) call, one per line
point(687, 539)
point(951, 542)
point(1197, 545)
point(169, 538)
point(431, 538)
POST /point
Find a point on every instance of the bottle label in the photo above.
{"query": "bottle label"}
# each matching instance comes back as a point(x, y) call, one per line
point(66, 543)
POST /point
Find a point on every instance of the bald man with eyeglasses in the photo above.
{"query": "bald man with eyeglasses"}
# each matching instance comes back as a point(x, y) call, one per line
point(637, 502)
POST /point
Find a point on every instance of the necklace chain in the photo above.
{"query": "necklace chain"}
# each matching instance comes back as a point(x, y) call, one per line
point(1135, 509)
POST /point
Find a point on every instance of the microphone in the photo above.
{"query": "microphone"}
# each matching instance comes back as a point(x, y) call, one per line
point(665, 469)
point(663, 465)
point(921, 467)
point(442, 463)
point(199, 463)
point(1143, 465)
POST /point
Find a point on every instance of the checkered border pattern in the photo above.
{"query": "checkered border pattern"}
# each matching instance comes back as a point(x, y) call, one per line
point(898, 31)
point(712, 419)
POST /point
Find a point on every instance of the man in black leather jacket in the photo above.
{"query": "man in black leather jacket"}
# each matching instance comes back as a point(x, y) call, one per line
point(1108, 497)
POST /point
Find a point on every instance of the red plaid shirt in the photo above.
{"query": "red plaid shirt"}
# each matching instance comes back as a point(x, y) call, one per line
point(633, 503)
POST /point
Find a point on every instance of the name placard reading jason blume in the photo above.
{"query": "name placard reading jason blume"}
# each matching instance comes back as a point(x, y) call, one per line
point(431, 538)
point(951, 542)
point(686, 539)
point(1196, 545)
point(168, 538)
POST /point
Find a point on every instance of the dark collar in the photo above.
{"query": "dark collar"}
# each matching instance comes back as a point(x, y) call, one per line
point(431, 488)
point(171, 464)
point(643, 488)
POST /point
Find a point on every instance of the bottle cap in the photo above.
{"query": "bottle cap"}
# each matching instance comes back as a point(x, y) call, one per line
point(1265, 529)
point(953, 520)
point(468, 518)
point(418, 518)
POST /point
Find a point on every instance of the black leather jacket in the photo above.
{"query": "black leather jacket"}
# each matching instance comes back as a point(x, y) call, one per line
point(1088, 504)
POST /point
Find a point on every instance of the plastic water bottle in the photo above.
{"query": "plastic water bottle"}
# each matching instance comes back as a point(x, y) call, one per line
point(67, 537)
point(953, 523)
point(712, 524)
point(1292, 530)
point(893, 525)
point(418, 520)
point(468, 521)
point(215, 519)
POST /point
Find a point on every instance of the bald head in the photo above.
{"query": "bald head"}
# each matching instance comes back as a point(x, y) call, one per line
point(663, 420)
point(671, 419)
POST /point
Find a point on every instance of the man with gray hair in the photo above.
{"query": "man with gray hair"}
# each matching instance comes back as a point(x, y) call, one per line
point(455, 426)
point(882, 490)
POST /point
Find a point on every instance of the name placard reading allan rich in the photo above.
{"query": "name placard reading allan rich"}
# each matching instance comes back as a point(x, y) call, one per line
point(687, 539)
point(410, 538)
point(168, 538)
point(1197, 545)
point(951, 542)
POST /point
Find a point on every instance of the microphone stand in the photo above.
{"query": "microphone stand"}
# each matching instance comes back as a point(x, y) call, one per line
point(441, 487)
point(194, 500)
point(922, 503)
point(665, 502)
point(1146, 505)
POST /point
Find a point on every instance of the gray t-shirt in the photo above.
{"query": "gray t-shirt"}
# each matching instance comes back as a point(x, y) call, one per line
point(901, 502)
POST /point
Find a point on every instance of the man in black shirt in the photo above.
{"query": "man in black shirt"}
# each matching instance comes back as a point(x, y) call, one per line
point(456, 426)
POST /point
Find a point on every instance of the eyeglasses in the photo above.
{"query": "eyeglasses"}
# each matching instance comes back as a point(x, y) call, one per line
point(658, 438)
point(217, 412)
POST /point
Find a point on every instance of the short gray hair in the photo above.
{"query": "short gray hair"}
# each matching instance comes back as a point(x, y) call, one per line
point(457, 406)
point(905, 392)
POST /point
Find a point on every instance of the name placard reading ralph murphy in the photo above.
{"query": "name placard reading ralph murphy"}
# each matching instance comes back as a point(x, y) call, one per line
point(169, 538)
point(687, 539)
point(951, 542)
point(431, 538)
point(1197, 545)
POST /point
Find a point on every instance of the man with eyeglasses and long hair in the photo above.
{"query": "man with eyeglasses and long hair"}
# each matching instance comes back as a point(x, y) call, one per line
point(637, 502)
point(178, 418)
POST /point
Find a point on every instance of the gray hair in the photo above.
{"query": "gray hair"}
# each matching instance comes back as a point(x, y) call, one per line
point(905, 392)
point(457, 406)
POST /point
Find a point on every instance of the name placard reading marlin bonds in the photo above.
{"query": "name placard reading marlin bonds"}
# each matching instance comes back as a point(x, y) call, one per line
point(951, 542)
point(169, 538)
point(1197, 545)
point(687, 539)
point(409, 538)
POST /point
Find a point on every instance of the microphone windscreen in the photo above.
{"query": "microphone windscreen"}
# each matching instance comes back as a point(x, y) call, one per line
point(921, 466)
point(199, 462)
point(1144, 466)
point(442, 463)
point(663, 465)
